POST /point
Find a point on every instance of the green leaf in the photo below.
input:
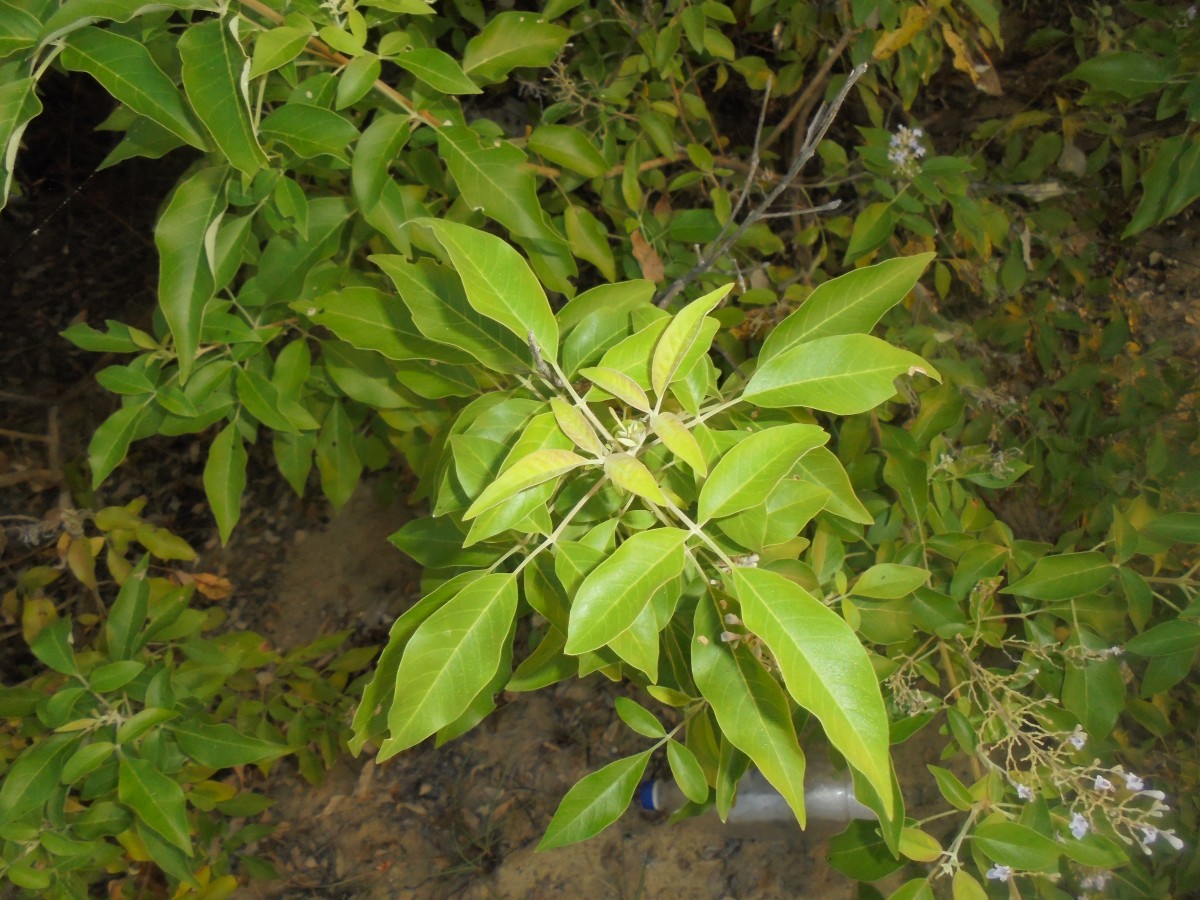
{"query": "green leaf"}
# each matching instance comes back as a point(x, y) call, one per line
point(125, 69)
point(825, 667)
point(30, 781)
point(678, 338)
point(114, 675)
point(357, 79)
point(155, 799)
point(19, 29)
point(822, 468)
point(534, 469)
point(843, 374)
point(222, 746)
point(369, 718)
point(86, 760)
point(1178, 527)
point(310, 131)
point(1064, 576)
point(128, 613)
point(619, 385)
point(449, 659)
point(53, 647)
point(277, 47)
point(19, 104)
point(613, 595)
point(499, 283)
point(369, 319)
point(1095, 693)
point(955, 792)
point(225, 479)
point(589, 240)
point(493, 176)
point(262, 401)
point(509, 40)
point(595, 802)
point(687, 772)
point(889, 581)
point(337, 460)
point(431, 542)
point(111, 440)
point(639, 718)
point(679, 440)
point(1130, 74)
point(1018, 846)
point(1166, 639)
point(850, 304)
point(75, 14)
point(440, 311)
point(631, 473)
point(751, 470)
point(546, 665)
point(872, 228)
point(185, 281)
point(570, 147)
point(437, 69)
point(750, 706)
point(213, 64)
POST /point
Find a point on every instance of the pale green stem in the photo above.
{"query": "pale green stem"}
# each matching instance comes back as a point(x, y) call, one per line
point(578, 401)
point(695, 529)
point(562, 526)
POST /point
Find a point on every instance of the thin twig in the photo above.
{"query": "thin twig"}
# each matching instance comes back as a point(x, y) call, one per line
point(817, 130)
point(762, 117)
point(814, 84)
point(22, 435)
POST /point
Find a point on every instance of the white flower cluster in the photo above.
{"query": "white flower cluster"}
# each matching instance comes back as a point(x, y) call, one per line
point(905, 149)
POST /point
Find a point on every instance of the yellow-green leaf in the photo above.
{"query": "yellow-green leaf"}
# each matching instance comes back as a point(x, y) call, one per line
point(681, 333)
point(617, 590)
point(619, 385)
point(632, 475)
point(575, 426)
point(537, 467)
point(825, 667)
point(672, 432)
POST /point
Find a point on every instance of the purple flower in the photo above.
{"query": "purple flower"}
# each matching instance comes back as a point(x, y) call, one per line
point(998, 873)
point(1079, 826)
point(1103, 784)
point(1134, 783)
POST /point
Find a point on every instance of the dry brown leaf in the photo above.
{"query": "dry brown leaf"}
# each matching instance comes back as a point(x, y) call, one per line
point(983, 75)
point(214, 587)
point(647, 258)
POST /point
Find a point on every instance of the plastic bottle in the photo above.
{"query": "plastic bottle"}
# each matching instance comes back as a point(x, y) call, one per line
point(760, 811)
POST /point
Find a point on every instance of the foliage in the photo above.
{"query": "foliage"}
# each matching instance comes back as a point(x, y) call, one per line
point(120, 752)
point(744, 502)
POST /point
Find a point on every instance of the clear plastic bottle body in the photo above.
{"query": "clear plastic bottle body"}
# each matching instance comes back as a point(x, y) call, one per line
point(759, 810)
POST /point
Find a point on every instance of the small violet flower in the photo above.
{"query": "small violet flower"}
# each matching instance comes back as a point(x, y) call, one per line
point(998, 873)
point(1077, 738)
point(1103, 784)
point(1079, 826)
point(1134, 783)
point(904, 149)
point(1025, 792)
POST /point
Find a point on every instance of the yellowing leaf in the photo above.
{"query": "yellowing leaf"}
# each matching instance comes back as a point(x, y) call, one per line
point(632, 475)
point(537, 467)
point(575, 426)
point(684, 328)
point(619, 385)
point(672, 432)
point(915, 18)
